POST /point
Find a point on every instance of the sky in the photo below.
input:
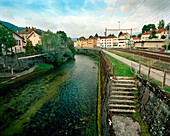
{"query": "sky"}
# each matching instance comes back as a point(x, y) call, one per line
point(85, 17)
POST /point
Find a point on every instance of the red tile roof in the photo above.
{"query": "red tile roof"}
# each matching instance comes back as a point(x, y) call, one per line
point(135, 38)
point(28, 30)
point(157, 31)
point(123, 34)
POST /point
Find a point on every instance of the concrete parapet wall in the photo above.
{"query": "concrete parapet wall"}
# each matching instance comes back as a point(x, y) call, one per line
point(154, 106)
point(12, 63)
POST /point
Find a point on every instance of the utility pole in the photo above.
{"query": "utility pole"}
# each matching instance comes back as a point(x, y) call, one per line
point(130, 37)
point(105, 36)
point(168, 38)
point(119, 24)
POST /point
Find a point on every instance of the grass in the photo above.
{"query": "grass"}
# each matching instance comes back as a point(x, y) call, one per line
point(5, 83)
point(121, 69)
point(158, 83)
point(143, 62)
point(43, 67)
point(94, 56)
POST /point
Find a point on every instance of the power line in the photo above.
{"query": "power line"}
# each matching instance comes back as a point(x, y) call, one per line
point(134, 11)
point(113, 11)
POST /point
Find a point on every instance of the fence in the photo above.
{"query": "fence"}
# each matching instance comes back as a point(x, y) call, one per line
point(109, 65)
point(158, 74)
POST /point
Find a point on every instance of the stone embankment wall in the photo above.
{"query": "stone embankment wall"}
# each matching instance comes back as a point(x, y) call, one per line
point(154, 106)
point(104, 92)
point(12, 63)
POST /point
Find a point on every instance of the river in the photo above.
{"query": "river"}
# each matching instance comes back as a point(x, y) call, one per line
point(61, 102)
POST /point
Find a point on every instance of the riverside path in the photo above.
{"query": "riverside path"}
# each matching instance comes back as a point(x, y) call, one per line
point(144, 69)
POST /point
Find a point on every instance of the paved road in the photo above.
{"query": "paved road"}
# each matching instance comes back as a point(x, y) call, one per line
point(156, 74)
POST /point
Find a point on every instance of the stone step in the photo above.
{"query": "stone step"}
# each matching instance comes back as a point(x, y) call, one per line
point(121, 106)
point(122, 85)
point(124, 78)
point(123, 88)
point(121, 111)
point(117, 101)
point(124, 81)
point(121, 97)
point(122, 93)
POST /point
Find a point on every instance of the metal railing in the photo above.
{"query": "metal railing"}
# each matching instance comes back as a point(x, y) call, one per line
point(109, 65)
point(162, 76)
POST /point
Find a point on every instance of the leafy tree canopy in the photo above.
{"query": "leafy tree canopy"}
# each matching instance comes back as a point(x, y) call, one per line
point(161, 24)
point(90, 36)
point(7, 39)
point(148, 27)
point(29, 47)
point(120, 33)
point(139, 35)
point(96, 35)
point(111, 35)
point(133, 36)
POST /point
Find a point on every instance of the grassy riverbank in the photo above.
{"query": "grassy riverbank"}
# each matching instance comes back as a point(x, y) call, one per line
point(43, 67)
point(121, 69)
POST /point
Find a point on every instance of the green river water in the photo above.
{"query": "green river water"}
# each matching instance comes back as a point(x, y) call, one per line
point(61, 102)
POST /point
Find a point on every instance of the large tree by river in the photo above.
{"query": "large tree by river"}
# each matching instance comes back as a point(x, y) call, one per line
point(56, 46)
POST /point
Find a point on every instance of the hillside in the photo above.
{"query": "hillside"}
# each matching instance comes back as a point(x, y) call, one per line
point(12, 26)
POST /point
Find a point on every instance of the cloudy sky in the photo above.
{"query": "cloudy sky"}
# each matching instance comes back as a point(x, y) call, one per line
point(84, 17)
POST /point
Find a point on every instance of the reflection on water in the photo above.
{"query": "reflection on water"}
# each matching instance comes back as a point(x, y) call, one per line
point(62, 102)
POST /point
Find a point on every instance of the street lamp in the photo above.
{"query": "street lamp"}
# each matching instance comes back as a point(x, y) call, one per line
point(168, 38)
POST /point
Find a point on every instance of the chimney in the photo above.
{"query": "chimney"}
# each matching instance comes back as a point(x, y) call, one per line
point(32, 28)
point(28, 28)
point(17, 31)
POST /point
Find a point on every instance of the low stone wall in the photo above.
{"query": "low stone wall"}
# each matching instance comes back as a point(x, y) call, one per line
point(154, 106)
point(10, 64)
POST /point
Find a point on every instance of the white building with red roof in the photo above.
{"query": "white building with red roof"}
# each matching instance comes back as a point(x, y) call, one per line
point(124, 36)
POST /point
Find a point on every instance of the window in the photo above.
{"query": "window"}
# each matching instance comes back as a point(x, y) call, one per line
point(34, 35)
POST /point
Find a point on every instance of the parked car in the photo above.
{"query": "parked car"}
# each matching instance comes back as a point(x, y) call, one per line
point(160, 49)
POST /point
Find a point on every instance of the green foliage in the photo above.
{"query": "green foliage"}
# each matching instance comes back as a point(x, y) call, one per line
point(29, 47)
point(70, 45)
point(139, 35)
point(120, 33)
point(163, 37)
point(56, 45)
point(153, 35)
point(38, 48)
point(68, 53)
point(148, 27)
point(96, 35)
point(133, 36)
point(111, 35)
point(7, 39)
point(161, 24)
point(165, 47)
point(43, 67)
point(90, 36)
point(2, 84)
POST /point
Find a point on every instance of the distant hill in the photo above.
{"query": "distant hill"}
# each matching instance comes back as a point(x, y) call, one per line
point(12, 26)
point(74, 39)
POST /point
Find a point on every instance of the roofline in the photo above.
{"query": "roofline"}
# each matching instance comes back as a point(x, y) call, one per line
point(32, 33)
point(13, 32)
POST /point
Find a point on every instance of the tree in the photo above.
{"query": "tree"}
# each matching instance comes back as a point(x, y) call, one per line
point(133, 36)
point(38, 48)
point(148, 27)
point(167, 27)
point(96, 35)
point(153, 35)
point(163, 37)
point(56, 46)
point(70, 45)
point(7, 39)
point(90, 36)
point(111, 35)
point(139, 35)
point(120, 33)
point(161, 24)
point(29, 47)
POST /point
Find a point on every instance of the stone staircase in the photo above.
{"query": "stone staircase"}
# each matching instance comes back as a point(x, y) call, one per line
point(122, 95)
